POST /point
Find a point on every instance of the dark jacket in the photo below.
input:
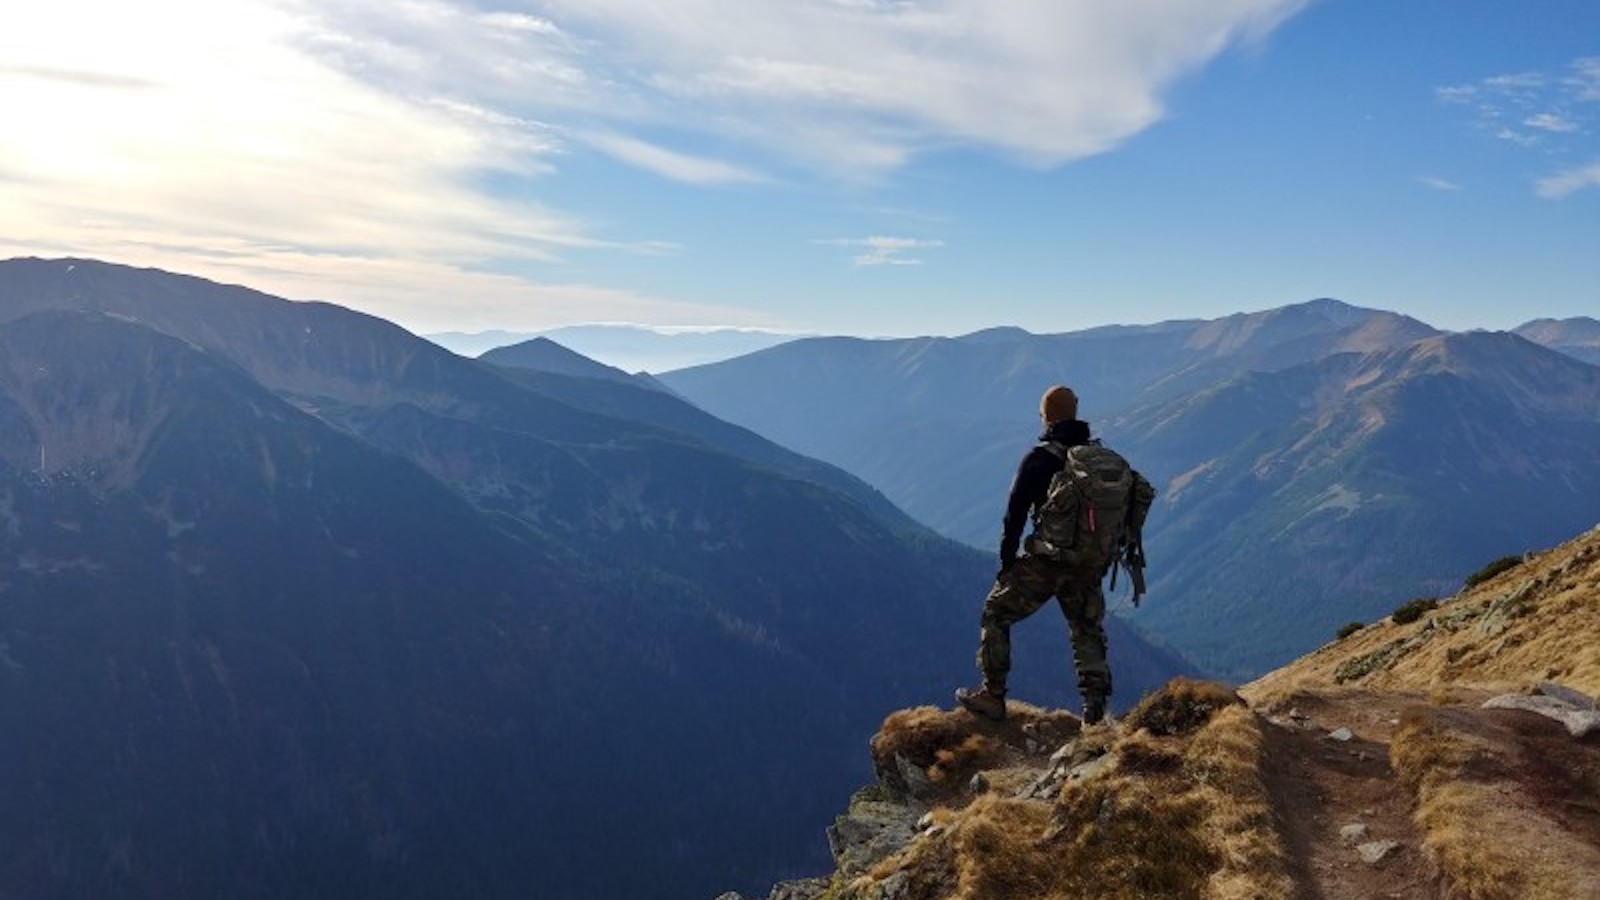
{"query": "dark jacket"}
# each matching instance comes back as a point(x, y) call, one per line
point(1032, 482)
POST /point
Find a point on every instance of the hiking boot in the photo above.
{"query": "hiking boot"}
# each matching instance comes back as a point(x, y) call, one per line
point(1094, 710)
point(981, 702)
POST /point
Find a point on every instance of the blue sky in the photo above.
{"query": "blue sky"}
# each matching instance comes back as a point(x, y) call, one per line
point(819, 166)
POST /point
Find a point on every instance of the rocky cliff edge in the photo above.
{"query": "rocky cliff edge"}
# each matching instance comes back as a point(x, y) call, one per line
point(1450, 749)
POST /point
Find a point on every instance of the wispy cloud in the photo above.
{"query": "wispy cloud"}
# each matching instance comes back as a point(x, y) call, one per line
point(880, 250)
point(666, 162)
point(1519, 83)
point(76, 76)
point(1438, 184)
point(1555, 112)
point(1584, 79)
point(1520, 138)
point(1551, 122)
point(1570, 181)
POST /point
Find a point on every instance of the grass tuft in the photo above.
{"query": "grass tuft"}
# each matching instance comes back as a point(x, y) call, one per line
point(954, 764)
point(1454, 814)
point(1183, 706)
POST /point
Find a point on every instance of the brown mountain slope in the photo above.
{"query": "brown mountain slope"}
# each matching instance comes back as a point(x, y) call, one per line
point(1368, 769)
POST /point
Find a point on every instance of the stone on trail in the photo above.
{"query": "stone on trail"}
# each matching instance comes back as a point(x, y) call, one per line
point(1350, 834)
point(1375, 852)
point(1580, 722)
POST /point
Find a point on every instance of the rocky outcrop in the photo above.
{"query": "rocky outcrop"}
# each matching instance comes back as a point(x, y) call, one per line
point(1576, 710)
point(1042, 806)
point(1377, 766)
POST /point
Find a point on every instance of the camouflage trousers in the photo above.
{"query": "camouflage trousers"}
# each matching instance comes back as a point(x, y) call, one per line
point(1018, 593)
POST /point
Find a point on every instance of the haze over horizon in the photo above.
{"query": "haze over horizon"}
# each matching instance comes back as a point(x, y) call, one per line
point(826, 167)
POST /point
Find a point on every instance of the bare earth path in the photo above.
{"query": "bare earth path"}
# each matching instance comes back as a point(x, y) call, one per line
point(1320, 785)
point(1547, 786)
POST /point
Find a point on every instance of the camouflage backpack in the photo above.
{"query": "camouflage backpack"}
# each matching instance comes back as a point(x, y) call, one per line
point(1090, 505)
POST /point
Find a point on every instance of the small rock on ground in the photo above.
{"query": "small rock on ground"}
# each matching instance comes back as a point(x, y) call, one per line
point(1351, 834)
point(1375, 852)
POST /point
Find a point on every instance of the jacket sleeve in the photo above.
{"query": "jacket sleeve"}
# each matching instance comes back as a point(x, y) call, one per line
point(1028, 488)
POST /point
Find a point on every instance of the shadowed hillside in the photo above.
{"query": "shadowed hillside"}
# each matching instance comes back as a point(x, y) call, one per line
point(1450, 750)
point(295, 604)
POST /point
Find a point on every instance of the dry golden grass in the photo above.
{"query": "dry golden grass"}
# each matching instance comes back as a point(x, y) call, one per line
point(949, 746)
point(917, 734)
point(975, 752)
point(1177, 816)
point(998, 851)
point(1113, 838)
point(1224, 761)
point(1452, 813)
point(1473, 820)
point(1143, 753)
point(1184, 705)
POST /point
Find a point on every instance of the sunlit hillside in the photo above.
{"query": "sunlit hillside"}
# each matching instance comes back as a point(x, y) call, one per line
point(1452, 749)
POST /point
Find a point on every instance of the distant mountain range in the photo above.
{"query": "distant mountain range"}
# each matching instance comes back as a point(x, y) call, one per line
point(1313, 460)
point(293, 603)
point(1577, 337)
point(632, 348)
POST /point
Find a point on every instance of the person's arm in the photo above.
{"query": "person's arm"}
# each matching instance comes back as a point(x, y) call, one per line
point(1028, 488)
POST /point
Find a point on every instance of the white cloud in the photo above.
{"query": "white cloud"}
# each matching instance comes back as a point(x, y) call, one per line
point(392, 151)
point(1438, 184)
point(1584, 80)
point(1570, 181)
point(1520, 82)
point(853, 87)
point(1519, 138)
point(880, 250)
point(1550, 122)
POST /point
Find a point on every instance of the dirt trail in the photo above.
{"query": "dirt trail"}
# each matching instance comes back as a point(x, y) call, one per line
point(1320, 785)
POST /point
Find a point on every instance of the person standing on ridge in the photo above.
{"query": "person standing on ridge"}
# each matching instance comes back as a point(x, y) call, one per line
point(1088, 506)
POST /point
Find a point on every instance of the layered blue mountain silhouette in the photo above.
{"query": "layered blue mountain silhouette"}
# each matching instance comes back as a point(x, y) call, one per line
point(1313, 460)
point(294, 603)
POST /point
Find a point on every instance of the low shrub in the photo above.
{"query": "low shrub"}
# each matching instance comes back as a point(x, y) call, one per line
point(1492, 569)
point(1413, 610)
point(1348, 630)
